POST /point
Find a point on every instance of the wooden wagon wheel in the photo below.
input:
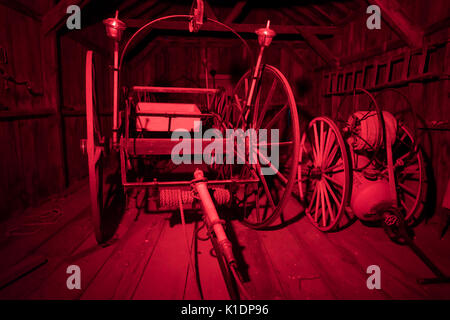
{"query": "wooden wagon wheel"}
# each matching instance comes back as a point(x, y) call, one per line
point(410, 174)
point(273, 107)
point(95, 152)
point(323, 173)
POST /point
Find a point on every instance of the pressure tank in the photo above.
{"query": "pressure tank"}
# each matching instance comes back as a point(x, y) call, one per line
point(370, 198)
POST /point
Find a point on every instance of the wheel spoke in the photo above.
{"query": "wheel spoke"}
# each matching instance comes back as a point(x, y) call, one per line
point(265, 186)
point(97, 154)
point(408, 190)
point(404, 135)
point(413, 168)
point(275, 118)
point(266, 103)
point(277, 172)
point(402, 202)
point(258, 216)
point(330, 209)
point(338, 167)
point(317, 201)
point(280, 143)
point(333, 195)
point(329, 143)
point(317, 145)
point(245, 200)
point(336, 183)
point(241, 111)
point(331, 156)
point(403, 179)
point(338, 164)
point(315, 157)
point(312, 198)
point(300, 181)
point(248, 108)
point(322, 196)
point(246, 87)
point(322, 142)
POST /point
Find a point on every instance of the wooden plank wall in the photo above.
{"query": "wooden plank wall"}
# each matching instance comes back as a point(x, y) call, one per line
point(30, 147)
point(40, 136)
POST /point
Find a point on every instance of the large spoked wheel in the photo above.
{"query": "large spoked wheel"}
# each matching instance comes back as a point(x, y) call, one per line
point(272, 108)
point(323, 174)
point(409, 168)
point(94, 144)
point(407, 153)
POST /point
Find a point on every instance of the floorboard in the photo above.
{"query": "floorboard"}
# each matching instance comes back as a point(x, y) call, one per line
point(148, 258)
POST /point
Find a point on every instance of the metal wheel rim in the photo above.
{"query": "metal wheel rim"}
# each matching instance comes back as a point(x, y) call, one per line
point(290, 101)
point(327, 194)
point(94, 151)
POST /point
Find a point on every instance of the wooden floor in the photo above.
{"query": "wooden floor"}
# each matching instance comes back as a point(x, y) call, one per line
point(148, 258)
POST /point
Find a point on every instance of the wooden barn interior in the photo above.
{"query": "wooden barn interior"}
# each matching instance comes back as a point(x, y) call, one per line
point(333, 60)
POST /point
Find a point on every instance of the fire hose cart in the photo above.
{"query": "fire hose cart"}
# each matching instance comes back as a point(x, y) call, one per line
point(146, 117)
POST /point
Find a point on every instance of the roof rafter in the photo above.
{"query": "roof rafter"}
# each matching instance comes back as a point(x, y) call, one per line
point(209, 11)
point(302, 14)
point(391, 12)
point(238, 27)
point(20, 7)
point(323, 13)
point(235, 12)
point(141, 8)
point(318, 46)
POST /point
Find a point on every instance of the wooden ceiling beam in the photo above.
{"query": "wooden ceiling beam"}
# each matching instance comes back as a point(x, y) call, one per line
point(126, 6)
point(209, 11)
point(341, 7)
point(299, 12)
point(299, 58)
point(235, 12)
point(323, 13)
point(318, 46)
point(57, 15)
point(142, 55)
point(238, 27)
point(23, 9)
point(391, 12)
point(140, 9)
point(80, 37)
